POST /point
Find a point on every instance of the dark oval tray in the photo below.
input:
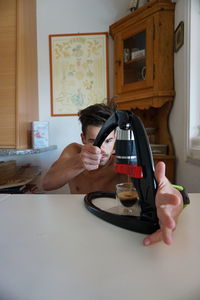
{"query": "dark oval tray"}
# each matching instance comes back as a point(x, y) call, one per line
point(134, 223)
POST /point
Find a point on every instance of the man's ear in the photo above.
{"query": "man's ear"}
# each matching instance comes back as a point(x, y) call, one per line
point(83, 138)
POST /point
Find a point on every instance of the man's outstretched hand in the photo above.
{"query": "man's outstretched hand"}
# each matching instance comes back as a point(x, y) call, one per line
point(169, 204)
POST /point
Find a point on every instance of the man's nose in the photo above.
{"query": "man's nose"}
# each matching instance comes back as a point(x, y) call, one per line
point(103, 147)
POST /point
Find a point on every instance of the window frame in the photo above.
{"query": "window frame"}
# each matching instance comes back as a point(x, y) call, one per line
point(192, 153)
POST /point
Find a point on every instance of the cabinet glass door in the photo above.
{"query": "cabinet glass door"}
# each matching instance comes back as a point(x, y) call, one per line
point(134, 58)
point(134, 68)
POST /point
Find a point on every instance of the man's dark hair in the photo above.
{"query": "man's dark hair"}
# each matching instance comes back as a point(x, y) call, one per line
point(95, 115)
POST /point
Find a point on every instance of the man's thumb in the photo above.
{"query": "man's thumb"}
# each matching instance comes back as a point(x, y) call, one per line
point(160, 171)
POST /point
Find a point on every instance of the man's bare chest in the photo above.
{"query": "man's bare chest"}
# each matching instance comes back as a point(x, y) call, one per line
point(90, 181)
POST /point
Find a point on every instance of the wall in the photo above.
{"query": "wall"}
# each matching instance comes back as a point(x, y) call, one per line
point(63, 16)
point(188, 174)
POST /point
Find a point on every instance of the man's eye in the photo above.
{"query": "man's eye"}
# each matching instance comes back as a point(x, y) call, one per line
point(91, 141)
point(108, 141)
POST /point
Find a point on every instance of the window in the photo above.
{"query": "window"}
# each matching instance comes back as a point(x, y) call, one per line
point(193, 81)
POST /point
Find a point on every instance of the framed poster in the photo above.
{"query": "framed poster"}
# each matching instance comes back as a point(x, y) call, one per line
point(78, 71)
point(179, 36)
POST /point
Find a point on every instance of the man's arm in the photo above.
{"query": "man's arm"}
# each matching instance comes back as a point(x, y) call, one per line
point(64, 169)
point(74, 160)
point(169, 203)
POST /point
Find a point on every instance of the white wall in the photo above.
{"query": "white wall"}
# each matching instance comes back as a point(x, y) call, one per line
point(188, 174)
point(60, 17)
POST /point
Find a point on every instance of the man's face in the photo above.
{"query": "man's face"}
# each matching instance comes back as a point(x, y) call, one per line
point(106, 147)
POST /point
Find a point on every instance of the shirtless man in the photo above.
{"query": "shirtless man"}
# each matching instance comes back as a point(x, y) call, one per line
point(87, 168)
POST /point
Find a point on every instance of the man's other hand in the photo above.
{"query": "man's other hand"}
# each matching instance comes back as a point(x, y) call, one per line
point(169, 204)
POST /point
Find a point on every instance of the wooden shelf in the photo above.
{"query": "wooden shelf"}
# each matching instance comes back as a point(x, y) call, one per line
point(135, 60)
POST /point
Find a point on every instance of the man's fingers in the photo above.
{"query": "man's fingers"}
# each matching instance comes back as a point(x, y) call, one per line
point(167, 220)
point(153, 238)
point(92, 157)
point(160, 171)
point(166, 229)
point(165, 235)
point(92, 149)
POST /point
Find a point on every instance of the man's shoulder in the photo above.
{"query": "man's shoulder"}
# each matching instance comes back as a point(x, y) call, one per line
point(72, 148)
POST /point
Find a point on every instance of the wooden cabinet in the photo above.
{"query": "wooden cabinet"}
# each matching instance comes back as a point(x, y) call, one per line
point(18, 72)
point(143, 70)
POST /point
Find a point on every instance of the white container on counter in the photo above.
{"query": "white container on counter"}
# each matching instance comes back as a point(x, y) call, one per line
point(40, 134)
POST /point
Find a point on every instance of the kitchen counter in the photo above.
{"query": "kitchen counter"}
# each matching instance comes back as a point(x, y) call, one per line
point(15, 152)
point(53, 248)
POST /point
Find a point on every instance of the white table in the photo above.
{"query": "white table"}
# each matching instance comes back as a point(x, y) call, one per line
point(52, 248)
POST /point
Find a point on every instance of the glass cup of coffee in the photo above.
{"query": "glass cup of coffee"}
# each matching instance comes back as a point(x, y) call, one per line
point(127, 195)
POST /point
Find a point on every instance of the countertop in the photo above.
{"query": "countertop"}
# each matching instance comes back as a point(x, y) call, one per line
point(53, 248)
point(13, 152)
